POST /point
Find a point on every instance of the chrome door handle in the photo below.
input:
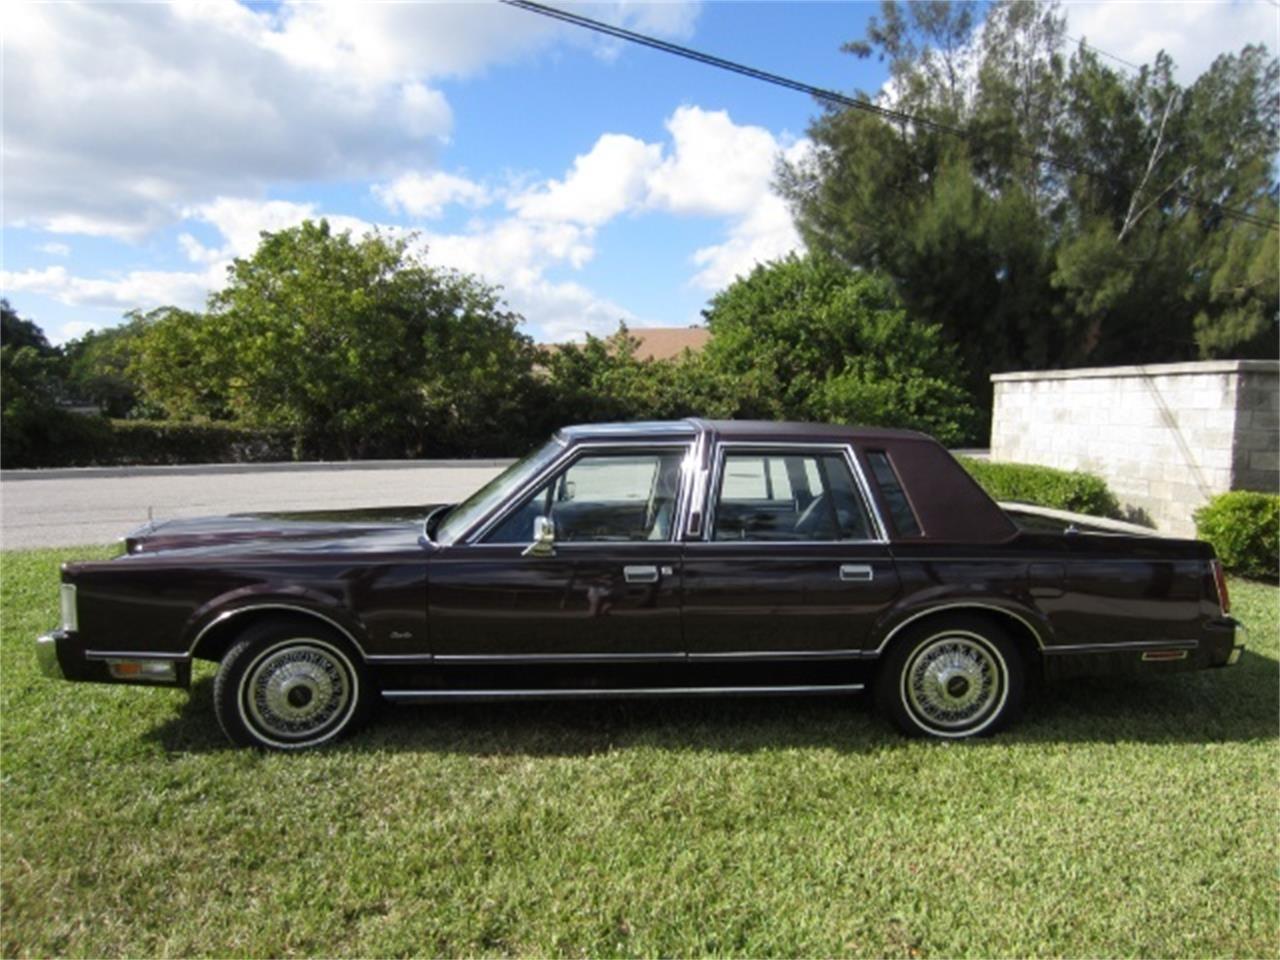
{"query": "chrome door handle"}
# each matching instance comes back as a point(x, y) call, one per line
point(857, 572)
point(640, 574)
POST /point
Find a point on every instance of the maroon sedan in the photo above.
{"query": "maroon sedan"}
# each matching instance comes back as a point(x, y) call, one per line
point(688, 558)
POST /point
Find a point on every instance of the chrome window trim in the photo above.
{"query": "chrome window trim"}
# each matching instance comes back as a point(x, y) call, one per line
point(965, 605)
point(567, 456)
point(293, 608)
point(851, 460)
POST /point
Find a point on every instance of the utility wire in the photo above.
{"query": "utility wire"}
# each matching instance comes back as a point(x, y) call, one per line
point(1111, 56)
point(831, 96)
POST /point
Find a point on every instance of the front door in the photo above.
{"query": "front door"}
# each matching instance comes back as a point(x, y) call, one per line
point(792, 566)
point(608, 592)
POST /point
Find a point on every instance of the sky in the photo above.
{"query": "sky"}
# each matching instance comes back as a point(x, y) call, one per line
point(145, 145)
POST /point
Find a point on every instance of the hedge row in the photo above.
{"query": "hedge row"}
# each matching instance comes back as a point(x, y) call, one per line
point(1044, 486)
point(71, 440)
point(1244, 528)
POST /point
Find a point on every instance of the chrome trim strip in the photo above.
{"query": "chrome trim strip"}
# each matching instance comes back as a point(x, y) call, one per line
point(408, 696)
point(964, 605)
point(407, 659)
point(567, 456)
point(131, 655)
point(851, 460)
point(747, 655)
point(1127, 646)
point(47, 656)
point(294, 608)
point(522, 658)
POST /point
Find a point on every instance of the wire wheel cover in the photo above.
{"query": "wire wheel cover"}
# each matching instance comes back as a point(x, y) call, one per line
point(297, 689)
point(954, 681)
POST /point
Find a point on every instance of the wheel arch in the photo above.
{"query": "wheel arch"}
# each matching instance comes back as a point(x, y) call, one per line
point(215, 637)
point(1029, 631)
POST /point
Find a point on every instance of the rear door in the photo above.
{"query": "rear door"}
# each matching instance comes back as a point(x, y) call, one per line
point(792, 564)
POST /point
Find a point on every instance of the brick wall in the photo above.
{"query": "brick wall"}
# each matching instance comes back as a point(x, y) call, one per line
point(1165, 437)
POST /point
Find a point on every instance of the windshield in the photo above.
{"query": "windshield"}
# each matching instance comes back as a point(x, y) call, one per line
point(494, 492)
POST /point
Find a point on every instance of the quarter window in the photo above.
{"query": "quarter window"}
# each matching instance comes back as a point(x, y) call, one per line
point(788, 496)
point(904, 518)
point(602, 498)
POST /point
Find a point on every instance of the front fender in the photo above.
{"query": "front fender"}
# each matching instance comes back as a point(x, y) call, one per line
point(257, 598)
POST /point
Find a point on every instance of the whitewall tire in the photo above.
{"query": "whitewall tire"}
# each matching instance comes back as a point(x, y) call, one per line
point(951, 678)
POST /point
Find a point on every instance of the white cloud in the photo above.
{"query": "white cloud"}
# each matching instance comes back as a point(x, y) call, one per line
point(1194, 34)
point(55, 249)
point(608, 180)
point(427, 194)
point(765, 234)
point(118, 115)
point(717, 167)
point(138, 288)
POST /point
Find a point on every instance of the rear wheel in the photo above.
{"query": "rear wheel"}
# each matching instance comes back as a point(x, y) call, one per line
point(953, 678)
point(290, 685)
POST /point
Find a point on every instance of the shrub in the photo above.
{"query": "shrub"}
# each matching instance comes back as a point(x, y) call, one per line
point(1244, 528)
point(58, 438)
point(1045, 486)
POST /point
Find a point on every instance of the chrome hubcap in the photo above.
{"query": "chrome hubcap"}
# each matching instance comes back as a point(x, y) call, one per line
point(953, 681)
point(297, 690)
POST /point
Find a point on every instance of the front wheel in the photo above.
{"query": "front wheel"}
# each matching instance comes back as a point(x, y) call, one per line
point(289, 685)
point(951, 679)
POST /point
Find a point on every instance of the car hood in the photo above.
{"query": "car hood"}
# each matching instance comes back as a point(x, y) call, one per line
point(311, 533)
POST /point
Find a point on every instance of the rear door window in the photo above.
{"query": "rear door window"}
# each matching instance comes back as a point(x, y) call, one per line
point(788, 496)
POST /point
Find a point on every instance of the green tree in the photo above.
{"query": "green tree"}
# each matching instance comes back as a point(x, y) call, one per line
point(355, 344)
point(603, 380)
point(100, 368)
point(989, 228)
point(808, 339)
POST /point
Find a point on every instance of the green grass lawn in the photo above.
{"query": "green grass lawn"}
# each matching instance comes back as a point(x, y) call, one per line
point(1119, 818)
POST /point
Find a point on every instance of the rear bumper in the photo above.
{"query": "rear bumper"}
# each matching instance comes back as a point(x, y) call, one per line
point(1225, 640)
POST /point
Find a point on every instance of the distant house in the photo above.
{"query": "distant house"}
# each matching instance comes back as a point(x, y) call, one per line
point(662, 343)
point(667, 343)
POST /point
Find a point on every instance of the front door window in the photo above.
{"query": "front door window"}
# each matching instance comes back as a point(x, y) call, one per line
point(602, 498)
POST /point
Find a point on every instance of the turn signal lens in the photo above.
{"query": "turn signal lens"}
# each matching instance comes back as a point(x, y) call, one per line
point(158, 671)
point(1220, 582)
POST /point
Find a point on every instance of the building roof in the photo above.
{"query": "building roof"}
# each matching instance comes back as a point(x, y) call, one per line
point(667, 343)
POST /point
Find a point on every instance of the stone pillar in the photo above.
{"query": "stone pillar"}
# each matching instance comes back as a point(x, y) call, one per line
point(1165, 437)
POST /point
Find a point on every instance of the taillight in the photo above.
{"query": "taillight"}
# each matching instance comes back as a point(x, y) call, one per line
point(1220, 582)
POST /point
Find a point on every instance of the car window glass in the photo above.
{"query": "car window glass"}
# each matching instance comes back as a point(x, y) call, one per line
point(759, 500)
point(904, 518)
point(602, 498)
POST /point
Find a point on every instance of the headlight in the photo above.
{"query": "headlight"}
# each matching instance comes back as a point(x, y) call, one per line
point(70, 622)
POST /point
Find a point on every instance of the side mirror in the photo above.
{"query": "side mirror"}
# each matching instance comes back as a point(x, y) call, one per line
point(544, 538)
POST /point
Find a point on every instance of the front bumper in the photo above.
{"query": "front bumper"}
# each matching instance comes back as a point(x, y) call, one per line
point(47, 655)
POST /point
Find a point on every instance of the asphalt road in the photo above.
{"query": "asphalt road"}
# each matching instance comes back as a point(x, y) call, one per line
point(72, 507)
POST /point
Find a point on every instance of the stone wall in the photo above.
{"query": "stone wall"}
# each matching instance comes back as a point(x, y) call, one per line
point(1165, 437)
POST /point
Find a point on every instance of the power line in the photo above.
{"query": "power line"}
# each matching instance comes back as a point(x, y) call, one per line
point(1111, 56)
point(831, 96)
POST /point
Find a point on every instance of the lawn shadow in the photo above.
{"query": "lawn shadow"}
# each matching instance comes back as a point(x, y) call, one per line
point(1234, 705)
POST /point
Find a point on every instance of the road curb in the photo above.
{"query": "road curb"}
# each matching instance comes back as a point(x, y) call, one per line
point(200, 469)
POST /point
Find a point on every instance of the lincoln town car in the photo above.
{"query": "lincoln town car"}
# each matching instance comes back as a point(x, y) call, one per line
point(689, 558)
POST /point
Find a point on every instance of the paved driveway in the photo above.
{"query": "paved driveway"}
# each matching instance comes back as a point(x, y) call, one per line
point(70, 507)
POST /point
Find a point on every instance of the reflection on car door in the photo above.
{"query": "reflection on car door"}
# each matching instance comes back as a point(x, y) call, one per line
point(610, 591)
